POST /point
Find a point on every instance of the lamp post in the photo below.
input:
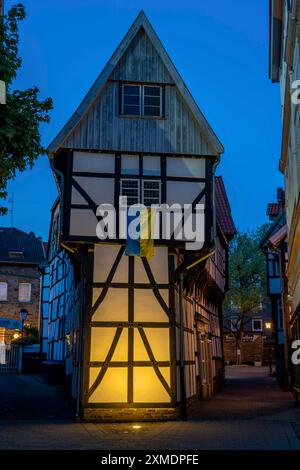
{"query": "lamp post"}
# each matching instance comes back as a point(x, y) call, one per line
point(24, 314)
point(268, 326)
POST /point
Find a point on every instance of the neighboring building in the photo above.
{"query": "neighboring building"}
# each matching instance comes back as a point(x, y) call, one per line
point(20, 255)
point(146, 333)
point(285, 68)
point(257, 344)
point(274, 246)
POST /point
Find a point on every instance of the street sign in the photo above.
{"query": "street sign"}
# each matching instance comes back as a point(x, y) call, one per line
point(10, 324)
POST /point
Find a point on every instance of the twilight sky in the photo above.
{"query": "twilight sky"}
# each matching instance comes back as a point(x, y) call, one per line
point(221, 51)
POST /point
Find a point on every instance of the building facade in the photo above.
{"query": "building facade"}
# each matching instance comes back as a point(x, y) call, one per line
point(257, 345)
point(148, 330)
point(274, 246)
point(285, 68)
point(20, 256)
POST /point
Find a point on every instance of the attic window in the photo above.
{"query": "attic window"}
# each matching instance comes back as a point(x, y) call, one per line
point(16, 254)
point(142, 100)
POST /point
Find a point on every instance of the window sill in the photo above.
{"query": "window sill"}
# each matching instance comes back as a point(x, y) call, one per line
point(152, 118)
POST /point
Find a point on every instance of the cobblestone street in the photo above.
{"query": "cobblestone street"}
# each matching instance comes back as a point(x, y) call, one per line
point(251, 412)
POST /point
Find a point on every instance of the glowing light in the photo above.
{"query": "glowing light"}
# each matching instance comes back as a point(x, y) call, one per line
point(136, 426)
point(268, 325)
point(16, 336)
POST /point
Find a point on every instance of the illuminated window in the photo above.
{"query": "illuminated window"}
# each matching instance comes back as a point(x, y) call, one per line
point(24, 292)
point(3, 290)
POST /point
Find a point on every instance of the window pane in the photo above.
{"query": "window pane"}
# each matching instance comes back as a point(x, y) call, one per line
point(151, 111)
point(130, 188)
point(132, 110)
point(152, 90)
point(151, 192)
point(131, 89)
point(257, 325)
point(152, 101)
point(131, 100)
point(3, 290)
point(24, 292)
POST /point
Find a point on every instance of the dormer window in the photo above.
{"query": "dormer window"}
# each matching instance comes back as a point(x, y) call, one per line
point(141, 100)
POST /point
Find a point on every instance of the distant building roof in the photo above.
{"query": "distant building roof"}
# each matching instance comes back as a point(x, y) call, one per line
point(17, 246)
point(223, 209)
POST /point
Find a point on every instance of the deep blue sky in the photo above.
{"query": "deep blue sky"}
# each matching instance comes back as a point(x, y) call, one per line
point(221, 50)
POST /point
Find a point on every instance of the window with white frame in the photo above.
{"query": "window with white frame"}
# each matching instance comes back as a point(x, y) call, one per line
point(147, 192)
point(141, 100)
point(257, 324)
point(131, 189)
point(3, 291)
point(24, 292)
point(150, 192)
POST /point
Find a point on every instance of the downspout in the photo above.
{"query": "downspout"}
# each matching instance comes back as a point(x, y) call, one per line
point(80, 359)
point(181, 358)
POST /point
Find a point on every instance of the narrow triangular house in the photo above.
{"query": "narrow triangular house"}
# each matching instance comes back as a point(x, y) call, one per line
point(139, 133)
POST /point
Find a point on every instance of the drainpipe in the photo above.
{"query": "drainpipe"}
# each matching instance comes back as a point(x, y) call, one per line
point(181, 359)
point(80, 358)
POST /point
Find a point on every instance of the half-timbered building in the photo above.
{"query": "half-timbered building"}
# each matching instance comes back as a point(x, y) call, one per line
point(149, 329)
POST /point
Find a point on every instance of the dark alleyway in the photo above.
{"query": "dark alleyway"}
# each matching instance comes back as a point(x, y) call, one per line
point(28, 397)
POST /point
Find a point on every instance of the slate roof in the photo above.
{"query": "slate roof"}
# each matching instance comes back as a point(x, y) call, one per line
point(223, 209)
point(14, 242)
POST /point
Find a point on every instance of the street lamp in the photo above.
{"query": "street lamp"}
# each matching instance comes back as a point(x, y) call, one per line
point(24, 314)
point(268, 326)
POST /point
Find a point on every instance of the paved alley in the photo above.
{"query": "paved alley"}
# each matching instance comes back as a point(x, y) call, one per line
point(251, 412)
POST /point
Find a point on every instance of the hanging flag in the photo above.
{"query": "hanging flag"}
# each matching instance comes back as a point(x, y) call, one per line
point(140, 233)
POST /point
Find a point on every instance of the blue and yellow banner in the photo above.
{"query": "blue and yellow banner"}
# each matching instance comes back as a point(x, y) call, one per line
point(140, 233)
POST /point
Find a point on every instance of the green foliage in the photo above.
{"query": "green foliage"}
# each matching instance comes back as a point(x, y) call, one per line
point(20, 140)
point(247, 279)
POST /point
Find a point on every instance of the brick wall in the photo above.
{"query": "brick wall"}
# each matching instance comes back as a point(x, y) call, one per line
point(13, 275)
point(251, 348)
point(130, 414)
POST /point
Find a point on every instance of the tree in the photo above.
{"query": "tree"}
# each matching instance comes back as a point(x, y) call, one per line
point(20, 117)
point(247, 282)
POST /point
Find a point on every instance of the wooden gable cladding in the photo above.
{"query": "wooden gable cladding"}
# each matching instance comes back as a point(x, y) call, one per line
point(104, 128)
point(141, 63)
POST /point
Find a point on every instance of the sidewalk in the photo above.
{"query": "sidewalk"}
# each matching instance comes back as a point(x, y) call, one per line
point(250, 413)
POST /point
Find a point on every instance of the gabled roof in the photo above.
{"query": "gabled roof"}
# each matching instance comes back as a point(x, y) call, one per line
point(140, 22)
point(17, 246)
point(223, 209)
